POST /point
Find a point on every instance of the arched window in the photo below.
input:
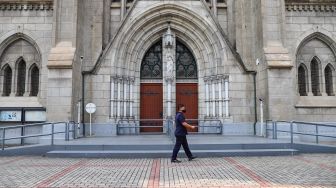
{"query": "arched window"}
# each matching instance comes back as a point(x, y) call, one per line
point(34, 77)
point(7, 84)
point(151, 66)
point(328, 81)
point(21, 78)
point(186, 67)
point(302, 81)
point(315, 77)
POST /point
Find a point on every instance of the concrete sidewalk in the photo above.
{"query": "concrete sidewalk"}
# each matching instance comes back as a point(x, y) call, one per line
point(318, 170)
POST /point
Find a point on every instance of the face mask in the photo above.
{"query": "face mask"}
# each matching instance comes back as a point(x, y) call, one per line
point(184, 111)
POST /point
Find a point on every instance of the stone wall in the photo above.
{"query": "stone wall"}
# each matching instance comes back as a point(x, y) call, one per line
point(32, 23)
point(310, 29)
point(124, 56)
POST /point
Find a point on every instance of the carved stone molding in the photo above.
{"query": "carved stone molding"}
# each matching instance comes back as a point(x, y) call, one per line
point(311, 5)
point(26, 5)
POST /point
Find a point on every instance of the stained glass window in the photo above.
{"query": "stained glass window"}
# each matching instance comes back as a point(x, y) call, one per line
point(21, 78)
point(329, 81)
point(34, 81)
point(315, 79)
point(7, 85)
point(186, 67)
point(151, 66)
point(302, 81)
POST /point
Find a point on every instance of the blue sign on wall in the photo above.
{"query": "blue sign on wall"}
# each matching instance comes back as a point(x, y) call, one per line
point(10, 116)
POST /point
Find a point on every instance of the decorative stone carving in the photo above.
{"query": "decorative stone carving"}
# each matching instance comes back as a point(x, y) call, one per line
point(170, 66)
point(26, 5)
point(311, 5)
point(168, 38)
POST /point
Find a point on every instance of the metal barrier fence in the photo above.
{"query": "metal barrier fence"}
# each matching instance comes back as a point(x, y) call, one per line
point(23, 135)
point(163, 126)
point(317, 126)
point(136, 126)
point(206, 126)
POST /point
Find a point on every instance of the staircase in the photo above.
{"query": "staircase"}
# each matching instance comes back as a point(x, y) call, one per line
point(165, 151)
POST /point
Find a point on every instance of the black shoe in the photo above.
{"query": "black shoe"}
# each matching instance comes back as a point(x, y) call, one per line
point(175, 161)
point(192, 157)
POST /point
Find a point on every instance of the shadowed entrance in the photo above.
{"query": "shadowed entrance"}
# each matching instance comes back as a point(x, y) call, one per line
point(151, 94)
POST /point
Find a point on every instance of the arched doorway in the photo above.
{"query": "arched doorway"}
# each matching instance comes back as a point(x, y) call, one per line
point(151, 86)
point(151, 93)
point(186, 82)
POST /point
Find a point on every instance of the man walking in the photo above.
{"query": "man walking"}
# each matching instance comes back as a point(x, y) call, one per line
point(181, 135)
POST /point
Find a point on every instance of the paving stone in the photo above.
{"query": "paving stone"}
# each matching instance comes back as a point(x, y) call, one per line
point(313, 170)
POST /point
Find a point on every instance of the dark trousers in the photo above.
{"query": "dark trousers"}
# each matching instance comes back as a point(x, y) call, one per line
point(181, 140)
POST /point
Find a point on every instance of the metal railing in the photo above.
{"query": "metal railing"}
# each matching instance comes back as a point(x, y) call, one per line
point(167, 126)
point(317, 134)
point(197, 123)
point(215, 127)
point(135, 126)
point(23, 135)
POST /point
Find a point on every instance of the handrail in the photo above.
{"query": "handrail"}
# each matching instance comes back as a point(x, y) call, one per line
point(32, 125)
point(23, 136)
point(120, 122)
point(318, 124)
point(169, 125)
point(275, 130)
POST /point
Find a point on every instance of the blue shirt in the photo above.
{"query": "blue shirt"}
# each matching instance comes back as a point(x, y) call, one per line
point(180, 129)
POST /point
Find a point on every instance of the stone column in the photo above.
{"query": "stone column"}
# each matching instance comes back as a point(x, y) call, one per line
point(214, 6)
point(131, 97)
point(125, 81)
point(169, 88)
point(60, 61)
point(169, 96)
point(13, 84)
point(119, 97)
point(112, 98)
point(277, 64)
point(226, 99)
point(106, 21)
point(220, 96)
point(207, 96)
point(213, 95)
point(27, 83)
point(123, 8)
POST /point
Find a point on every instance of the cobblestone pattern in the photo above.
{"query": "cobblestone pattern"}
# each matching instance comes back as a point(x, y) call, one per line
point(298, 171)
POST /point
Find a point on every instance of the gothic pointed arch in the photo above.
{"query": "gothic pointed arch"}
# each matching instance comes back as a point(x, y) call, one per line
point(21, 52)
point(7, 80)
point(186, 66)
point(302, 80)
point(329, 83)
point(21, 77)
point(151, 65)
point(315, 52)
point(34, 80)
point(315, 76)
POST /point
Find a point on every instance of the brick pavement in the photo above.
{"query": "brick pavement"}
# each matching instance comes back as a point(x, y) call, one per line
point(313, 170)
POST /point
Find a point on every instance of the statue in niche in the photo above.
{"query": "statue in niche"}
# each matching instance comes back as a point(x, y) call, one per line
point(170, 66)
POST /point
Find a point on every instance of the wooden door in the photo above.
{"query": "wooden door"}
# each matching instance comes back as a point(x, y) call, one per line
point(187, 94)
point(151, 106)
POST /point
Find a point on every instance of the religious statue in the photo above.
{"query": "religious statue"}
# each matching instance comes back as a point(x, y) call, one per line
point(170, 66)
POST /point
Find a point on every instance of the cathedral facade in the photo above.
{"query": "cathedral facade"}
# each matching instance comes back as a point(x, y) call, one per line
point(136, 60)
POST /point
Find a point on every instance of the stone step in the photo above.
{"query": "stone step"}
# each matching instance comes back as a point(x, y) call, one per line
point(167, 153)
point(170, 146)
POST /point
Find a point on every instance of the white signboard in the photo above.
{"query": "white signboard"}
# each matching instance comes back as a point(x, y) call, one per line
point(35, 116)
point(10, 115)
point(90, 108)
